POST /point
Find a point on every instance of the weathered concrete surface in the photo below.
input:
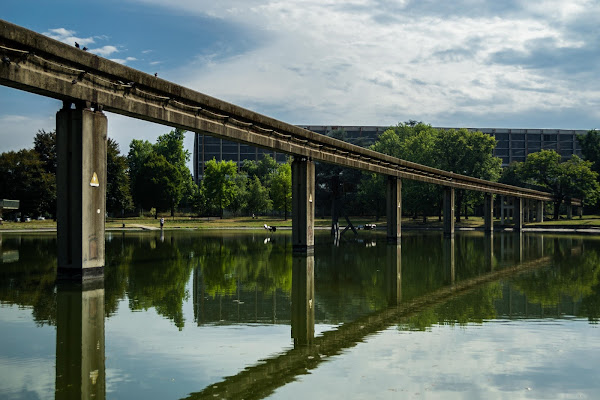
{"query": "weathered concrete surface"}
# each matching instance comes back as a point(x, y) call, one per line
point(51, 68)
point(303, 205)
point(393, 208)
point(518, 213)
point(488, 213)
point(81, 136)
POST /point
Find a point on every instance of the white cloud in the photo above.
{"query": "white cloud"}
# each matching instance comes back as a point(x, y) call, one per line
point(123, 60)
point(331, 63)
point(104, 50)
point(68, 36)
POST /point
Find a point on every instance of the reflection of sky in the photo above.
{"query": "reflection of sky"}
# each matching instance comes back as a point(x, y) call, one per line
point(27, 356)
point(500, 359)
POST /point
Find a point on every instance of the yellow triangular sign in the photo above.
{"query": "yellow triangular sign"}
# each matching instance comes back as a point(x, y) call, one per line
point(94, 182)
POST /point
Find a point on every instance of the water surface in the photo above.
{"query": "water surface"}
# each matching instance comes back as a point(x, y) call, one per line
point(235, 315)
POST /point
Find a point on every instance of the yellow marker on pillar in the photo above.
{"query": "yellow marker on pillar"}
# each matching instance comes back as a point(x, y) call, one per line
point(94, 182)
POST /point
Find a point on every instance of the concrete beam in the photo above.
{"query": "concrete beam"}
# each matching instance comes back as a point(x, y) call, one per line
point(393, 208)
point(449, 211)
point(303, 205)
point(81, 192)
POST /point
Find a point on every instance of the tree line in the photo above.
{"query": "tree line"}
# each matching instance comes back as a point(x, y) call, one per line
point(154, 176)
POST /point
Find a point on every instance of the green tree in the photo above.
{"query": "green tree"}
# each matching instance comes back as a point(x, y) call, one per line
point(240, 200)
point(281, 189)
point(467, 153)
point(219, 183)
point(161, 186)
point(571, 179)
point(118, 196)
point(139, 153)
point(180, 185)
point(170, 146)
point(590, 148)
point(412, 141)
point(44, 143)
point(263, 169)
point(24, 178)
point(258, 197)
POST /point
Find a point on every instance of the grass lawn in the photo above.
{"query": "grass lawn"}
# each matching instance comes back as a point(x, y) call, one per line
point(248, 222)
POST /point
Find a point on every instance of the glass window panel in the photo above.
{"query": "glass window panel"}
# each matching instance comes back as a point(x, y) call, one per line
point(518, 144)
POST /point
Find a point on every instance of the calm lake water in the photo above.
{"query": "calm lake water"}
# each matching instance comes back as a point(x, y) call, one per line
point(205, 315)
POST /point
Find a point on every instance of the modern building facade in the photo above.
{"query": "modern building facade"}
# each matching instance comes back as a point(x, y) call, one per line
point(513, 144)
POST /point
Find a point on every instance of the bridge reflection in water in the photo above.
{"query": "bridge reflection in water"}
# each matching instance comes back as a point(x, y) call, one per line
point(470, 263)
point(309, 352)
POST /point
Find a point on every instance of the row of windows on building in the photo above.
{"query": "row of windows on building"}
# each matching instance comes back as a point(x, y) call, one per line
point(512, 144)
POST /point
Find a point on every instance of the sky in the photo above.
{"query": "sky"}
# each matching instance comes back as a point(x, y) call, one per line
point(462, 63)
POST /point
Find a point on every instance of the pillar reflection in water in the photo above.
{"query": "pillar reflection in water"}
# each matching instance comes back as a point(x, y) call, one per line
point(80, 368)
point(303, 303)
point(488, 245)
point(449, 259)
point(393, 273)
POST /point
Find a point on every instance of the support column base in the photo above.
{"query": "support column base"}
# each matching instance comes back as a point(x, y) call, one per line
point(393, 240)
point(299, 249)
point(79, 274)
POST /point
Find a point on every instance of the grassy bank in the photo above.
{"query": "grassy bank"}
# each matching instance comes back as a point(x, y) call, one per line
point(591, 221)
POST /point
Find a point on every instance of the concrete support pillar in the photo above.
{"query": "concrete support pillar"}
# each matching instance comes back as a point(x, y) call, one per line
point(518, 213)
point(303, 299)
point(540, 211)
point(81, 192)
point(488, 213)
point(393, 275)
point(569, 211)
point(393, 208)
point(303, 205)
point(448, 211)
point(502, 210)
point(449, 260)
point(80, 367)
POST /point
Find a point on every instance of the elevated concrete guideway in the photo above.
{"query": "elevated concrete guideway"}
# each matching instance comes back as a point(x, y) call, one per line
point(35, 63)
point(45, 66)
